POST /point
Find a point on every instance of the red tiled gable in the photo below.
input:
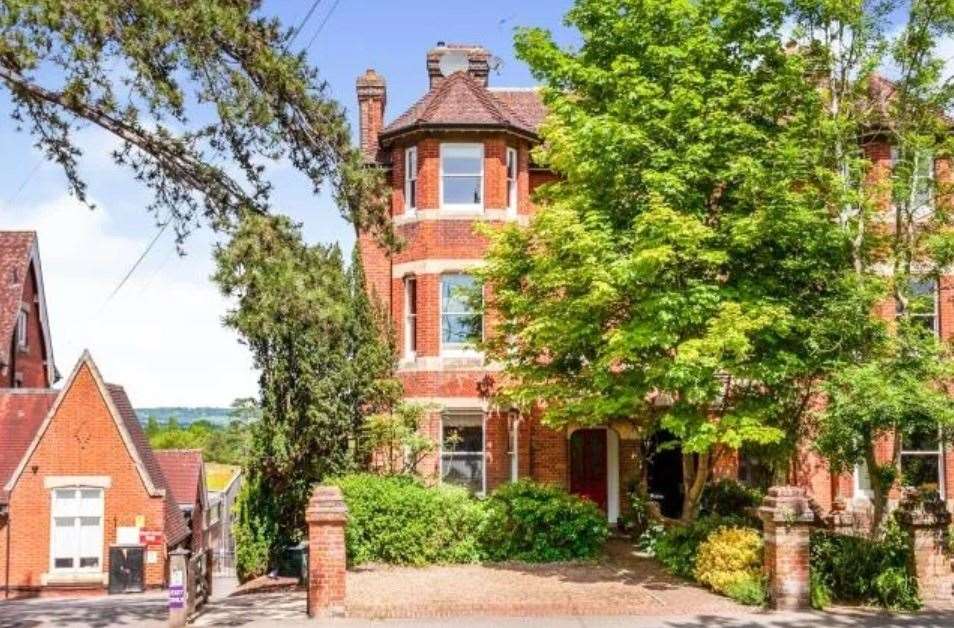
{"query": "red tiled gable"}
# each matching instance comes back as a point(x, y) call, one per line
point(183, 470)
point(176, 529)
point(21, 413)
point(461, 100)
point(15, 249)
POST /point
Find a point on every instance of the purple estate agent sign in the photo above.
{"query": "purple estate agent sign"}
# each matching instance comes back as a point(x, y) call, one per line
point(176, 589)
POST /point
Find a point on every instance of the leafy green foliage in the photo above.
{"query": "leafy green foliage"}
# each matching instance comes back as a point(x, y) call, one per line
point(686, 250)
point(398, 520)
point(855, 569)
point(678, 546)
point(255, 532)
point(540, 523)
point(727, 498)
point(181, 86)
point(729, 561)
point(323, 364)
point(394, 440)
point(228, 444)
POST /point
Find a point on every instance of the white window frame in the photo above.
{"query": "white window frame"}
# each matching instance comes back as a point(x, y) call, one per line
point(455, 349)
point(936, 314)
point(462, 207)
point(76, 568)
point(410, 318)
point(464, 415)
point(512, 179)
point(410, 179)
point(859, 492)
point(896, 156)
point(22, 322)
point(939, 452)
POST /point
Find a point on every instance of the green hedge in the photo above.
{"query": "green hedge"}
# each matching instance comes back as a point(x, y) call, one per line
point(537, 523)
point(399, 520)
point(855, 569)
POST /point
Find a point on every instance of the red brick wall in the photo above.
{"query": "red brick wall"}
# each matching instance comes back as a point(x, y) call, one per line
point(29, 363)
point(82, 439)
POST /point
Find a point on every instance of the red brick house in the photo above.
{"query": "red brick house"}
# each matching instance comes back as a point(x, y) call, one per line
point(26, 354)
point(185, 475)
point(460, 156)
point(79, 479)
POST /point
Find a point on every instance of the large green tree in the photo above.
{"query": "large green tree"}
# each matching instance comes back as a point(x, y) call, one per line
point(891, 390)
point(674, 274)
point(200, 96)
point(324, 365)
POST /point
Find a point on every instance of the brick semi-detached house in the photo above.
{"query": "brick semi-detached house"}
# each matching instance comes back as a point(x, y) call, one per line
point(460, 156)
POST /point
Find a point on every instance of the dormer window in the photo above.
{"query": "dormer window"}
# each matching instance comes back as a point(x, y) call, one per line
point(462, 176)
point(512, 180)
point(410, 179)
point(22, 329)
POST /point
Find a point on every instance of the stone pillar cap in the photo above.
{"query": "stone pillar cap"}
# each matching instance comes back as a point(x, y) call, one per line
point(787, 504)
point(326, 505)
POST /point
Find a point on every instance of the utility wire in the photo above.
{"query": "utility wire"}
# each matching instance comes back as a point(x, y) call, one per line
point(322, 25)
point(26, 180)
point(301, 25)
point(126, 277)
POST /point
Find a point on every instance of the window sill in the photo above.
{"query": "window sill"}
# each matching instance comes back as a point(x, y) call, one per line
point(74, 577)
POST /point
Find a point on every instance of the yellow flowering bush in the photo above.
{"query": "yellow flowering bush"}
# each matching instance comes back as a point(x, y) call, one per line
point(730, 559)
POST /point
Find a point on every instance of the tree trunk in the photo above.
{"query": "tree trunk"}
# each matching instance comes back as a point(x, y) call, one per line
point(695, 474)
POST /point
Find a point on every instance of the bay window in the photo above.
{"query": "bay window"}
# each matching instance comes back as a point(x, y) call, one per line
point(462, 449)
point(461, 321)
point(462, 176)
point(76, 542)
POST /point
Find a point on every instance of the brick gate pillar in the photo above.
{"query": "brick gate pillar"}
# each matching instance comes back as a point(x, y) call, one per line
point(925, 521)
point(326, 517)
point(787, 520)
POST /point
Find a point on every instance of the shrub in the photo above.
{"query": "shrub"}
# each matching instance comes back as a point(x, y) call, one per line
point(728, 498)
point(539, 523)
point(677, 546)
point(255, 536)
point(398, 520)
point(730, 558)
point(854, 569)
point(750, 590)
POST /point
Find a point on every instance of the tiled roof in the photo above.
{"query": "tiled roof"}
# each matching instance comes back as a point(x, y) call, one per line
point(22, 411)
point(526, 102)
point(462, 100)
point(183, 471)
point(175, 525)
point(15, 249)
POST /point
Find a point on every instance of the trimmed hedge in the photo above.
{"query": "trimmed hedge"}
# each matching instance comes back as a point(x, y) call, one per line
point(538, 523)
point(398, 520)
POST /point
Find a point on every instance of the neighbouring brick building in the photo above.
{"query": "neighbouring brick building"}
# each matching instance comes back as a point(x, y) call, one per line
point(458, 157)
point(79, 478)
point(26, 354)
point(82, 496)
point(185, 475)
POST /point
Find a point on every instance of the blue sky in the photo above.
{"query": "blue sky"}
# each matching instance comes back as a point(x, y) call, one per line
point(161, 335)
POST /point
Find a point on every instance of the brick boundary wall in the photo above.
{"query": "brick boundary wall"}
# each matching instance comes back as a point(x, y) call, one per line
point(925, 521)
point(327, 561)
point(787, 519)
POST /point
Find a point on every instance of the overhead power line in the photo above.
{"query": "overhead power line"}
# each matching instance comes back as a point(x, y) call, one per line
point(301, 25)
point(322, 25)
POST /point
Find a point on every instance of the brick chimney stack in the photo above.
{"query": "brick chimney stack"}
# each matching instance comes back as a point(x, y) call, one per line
point(472, 58)
point(372, 98)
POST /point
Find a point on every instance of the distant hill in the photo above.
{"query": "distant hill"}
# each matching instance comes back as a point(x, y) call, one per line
point(186, 416)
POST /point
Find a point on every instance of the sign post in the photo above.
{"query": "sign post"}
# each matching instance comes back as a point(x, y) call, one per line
point(178, 568)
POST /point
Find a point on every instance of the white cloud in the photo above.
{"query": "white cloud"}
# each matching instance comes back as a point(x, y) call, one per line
point(161, 336)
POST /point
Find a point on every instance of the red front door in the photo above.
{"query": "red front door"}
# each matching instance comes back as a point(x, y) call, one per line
point(588, 465)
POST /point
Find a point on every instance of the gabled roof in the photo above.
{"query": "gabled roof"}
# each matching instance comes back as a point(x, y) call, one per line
point(44, 408)
point(22, 410)
point(17, 250)
point(460, 100)
point(183, 469)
